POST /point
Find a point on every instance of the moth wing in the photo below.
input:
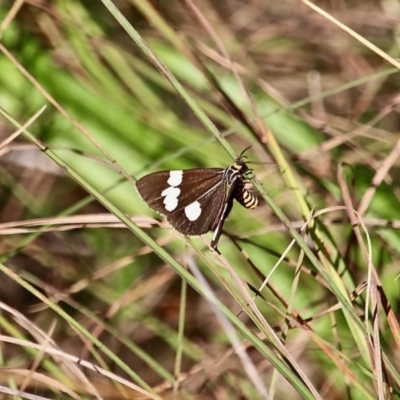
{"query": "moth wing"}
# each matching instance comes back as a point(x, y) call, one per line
point(210, 205)
point(206, 186)
point(150, 188)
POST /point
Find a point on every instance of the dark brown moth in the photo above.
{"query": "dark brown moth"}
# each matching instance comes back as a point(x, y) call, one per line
point(196, 201)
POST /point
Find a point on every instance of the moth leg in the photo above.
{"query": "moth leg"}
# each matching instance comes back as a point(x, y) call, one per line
point(222, 218)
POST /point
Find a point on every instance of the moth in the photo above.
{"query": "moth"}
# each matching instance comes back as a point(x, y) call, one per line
point(196, 201)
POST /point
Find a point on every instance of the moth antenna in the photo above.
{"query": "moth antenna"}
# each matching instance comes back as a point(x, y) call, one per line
point(244, 151)
point(260, 162)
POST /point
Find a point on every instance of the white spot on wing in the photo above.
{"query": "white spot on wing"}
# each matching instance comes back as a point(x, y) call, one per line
point(175, 178)
point(170, 203)
point(171, 191)
point(193, 211)
point(171, 198)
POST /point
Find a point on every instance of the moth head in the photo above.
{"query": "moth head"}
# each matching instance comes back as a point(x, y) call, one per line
point(240, 163)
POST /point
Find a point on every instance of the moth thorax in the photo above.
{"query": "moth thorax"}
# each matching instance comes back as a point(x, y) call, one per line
point(233, 172)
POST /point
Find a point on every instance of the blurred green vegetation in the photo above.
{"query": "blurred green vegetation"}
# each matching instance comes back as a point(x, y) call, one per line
point(318, 108)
